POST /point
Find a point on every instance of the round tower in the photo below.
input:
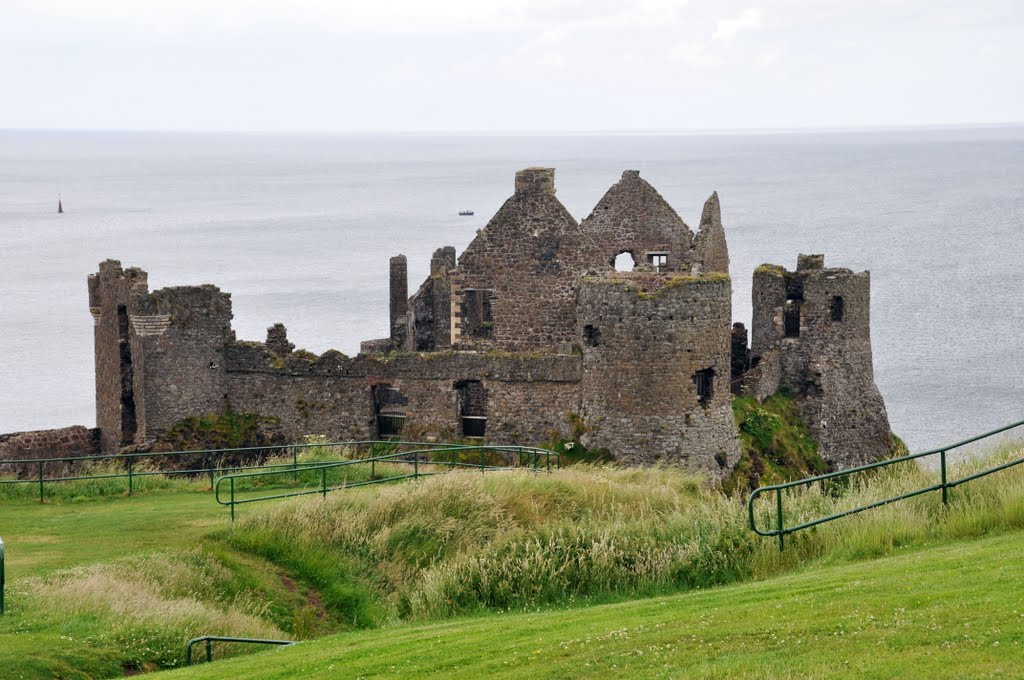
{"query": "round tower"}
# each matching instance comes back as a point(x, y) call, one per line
point(656, 356)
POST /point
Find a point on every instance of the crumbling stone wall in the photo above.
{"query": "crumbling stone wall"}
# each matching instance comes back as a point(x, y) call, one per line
point(111, 292)
point(64, 442)
point(429, 318)
point(159, 355)
point(528, 397)
point(633, 218)
point(710, 250)
point(824, 357)
point(527, 260)
point(648, 340)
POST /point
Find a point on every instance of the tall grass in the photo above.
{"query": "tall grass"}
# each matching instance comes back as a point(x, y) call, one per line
point(465, 542)
point(146, 606)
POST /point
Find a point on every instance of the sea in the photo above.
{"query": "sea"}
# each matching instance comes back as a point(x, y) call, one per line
point(299, 229)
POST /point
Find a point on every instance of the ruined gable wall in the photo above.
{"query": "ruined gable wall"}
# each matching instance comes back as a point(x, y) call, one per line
point(530, 255)
point(645, 337)
point(710, 252)
point(829, 365)
point(633, 217)
point(332, 395)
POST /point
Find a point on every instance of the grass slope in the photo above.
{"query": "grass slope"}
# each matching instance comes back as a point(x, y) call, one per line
point(57, 535)
point(951, 611)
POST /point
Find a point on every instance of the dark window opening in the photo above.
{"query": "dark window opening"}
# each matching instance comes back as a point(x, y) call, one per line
point(624, 262)
point(128, 422)
point(705, 381)
point(791, 319)
point(591, 335)
point(838, 308)
point(659, 261)
point(389, 410)
point(477, 321)
point(472, 408)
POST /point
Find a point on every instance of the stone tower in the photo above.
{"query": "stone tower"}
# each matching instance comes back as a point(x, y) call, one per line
point(656, 356)
point(811, 334)
point(159, 356)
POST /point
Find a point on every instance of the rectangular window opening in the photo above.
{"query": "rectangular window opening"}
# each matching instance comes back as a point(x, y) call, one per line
point(389, 411)
point(705, 381)
point(475, 314)
point(791, 319)
point(838, 307)
point(472, 408)
point(659, 261)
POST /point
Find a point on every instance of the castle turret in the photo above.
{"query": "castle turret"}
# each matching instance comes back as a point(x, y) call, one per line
point(656, 356)
point(811, 335)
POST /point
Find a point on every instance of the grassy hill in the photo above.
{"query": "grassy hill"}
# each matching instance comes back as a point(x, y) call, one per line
point(952, 611)
point(103, 586)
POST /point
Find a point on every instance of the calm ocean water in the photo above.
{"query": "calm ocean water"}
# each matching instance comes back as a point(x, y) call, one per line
point(299, 229)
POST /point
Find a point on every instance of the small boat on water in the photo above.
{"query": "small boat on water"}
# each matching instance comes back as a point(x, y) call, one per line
point(60, 206)
point(465, 213)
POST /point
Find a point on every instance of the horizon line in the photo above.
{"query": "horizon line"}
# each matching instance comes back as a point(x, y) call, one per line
point(895, 127)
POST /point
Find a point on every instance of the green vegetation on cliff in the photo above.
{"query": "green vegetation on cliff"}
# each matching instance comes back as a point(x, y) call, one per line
point(775, 445)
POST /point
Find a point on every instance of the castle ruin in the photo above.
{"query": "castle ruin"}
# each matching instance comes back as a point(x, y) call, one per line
point(529, 335)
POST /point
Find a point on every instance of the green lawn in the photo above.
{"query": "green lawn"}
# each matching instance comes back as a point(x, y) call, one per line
point(954, 610)
point(43, 538)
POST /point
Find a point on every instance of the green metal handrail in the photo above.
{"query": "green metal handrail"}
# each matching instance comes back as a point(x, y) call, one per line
point(781, 530)
point(210, 639)
point(532, 455)
point(129, 458)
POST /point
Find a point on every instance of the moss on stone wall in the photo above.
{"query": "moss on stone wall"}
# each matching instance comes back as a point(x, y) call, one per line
point(775, 444)
point(223, 430)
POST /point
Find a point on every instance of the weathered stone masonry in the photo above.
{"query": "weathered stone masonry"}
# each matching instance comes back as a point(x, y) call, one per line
point(530, 334)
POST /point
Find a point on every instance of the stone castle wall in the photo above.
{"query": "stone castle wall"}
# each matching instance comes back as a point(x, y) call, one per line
point(648, 340)
point(529, 399)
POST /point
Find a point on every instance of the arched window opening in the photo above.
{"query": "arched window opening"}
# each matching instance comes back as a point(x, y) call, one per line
point(624, 262)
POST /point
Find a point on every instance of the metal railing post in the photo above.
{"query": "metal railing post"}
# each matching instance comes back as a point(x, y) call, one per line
point(1, 576)
point(483, 464)
point(295, 463)
point(210, 467)
point(945, 488)
point(373, 469)
point(131, 462)
point(778, 519)
point(323, 482)
point(232, 500)
point(40, 481)
point(415, 466)
point(209, 651)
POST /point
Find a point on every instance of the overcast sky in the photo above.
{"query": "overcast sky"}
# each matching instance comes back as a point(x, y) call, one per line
point(383, 65)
